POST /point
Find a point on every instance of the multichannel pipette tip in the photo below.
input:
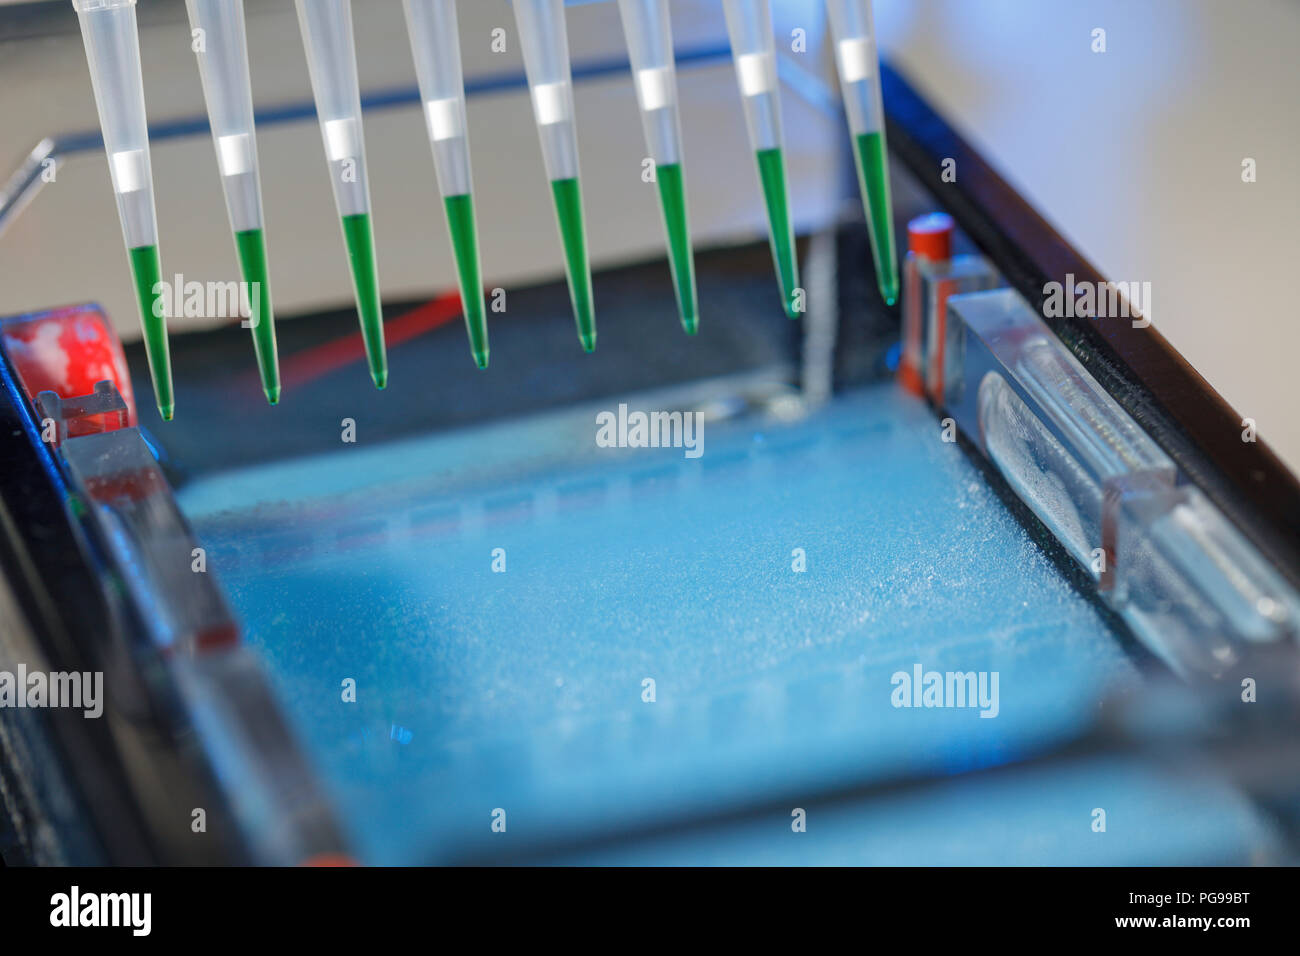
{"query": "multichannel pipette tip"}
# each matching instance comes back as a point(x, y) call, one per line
point(858, 64)
point(223, 69)
point(331, 61)
point(113, 55)
point(749, 25)
point(435, 47)
point(545, 47)
point(648, 29)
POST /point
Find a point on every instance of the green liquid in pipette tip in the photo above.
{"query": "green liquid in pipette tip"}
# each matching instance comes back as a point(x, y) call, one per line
point(568, 210)
point(672, 196)
point(365, 281)
point(147, 272)
point(873, 177)
point(464, 243)
point(771, 170)
point(251, 245)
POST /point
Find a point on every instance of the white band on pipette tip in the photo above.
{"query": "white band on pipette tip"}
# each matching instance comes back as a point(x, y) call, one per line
point(656, 87)
point(856, 59)
point(551, 103)
point(130, 172)
point(235, 154)
point(443, 119)
point(342, 139)
point(757, 73)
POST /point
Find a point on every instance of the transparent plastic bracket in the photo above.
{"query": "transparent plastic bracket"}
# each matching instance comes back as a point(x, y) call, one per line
point(1188, 583)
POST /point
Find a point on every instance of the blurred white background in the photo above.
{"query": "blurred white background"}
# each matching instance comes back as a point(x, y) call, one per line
point(1135, 156)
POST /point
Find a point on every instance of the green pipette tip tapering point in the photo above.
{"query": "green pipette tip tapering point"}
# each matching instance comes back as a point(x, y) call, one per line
point(771, 171)
point(464, 244)
point(873, 178)
point(568, 212)
point(672, 198)
point(251, 246)
point(146, 270)
point(358, 235)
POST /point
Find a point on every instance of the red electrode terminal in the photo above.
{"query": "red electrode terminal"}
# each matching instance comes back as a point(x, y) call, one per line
point(929, 239)
point(67, 351)
point(930, 236)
